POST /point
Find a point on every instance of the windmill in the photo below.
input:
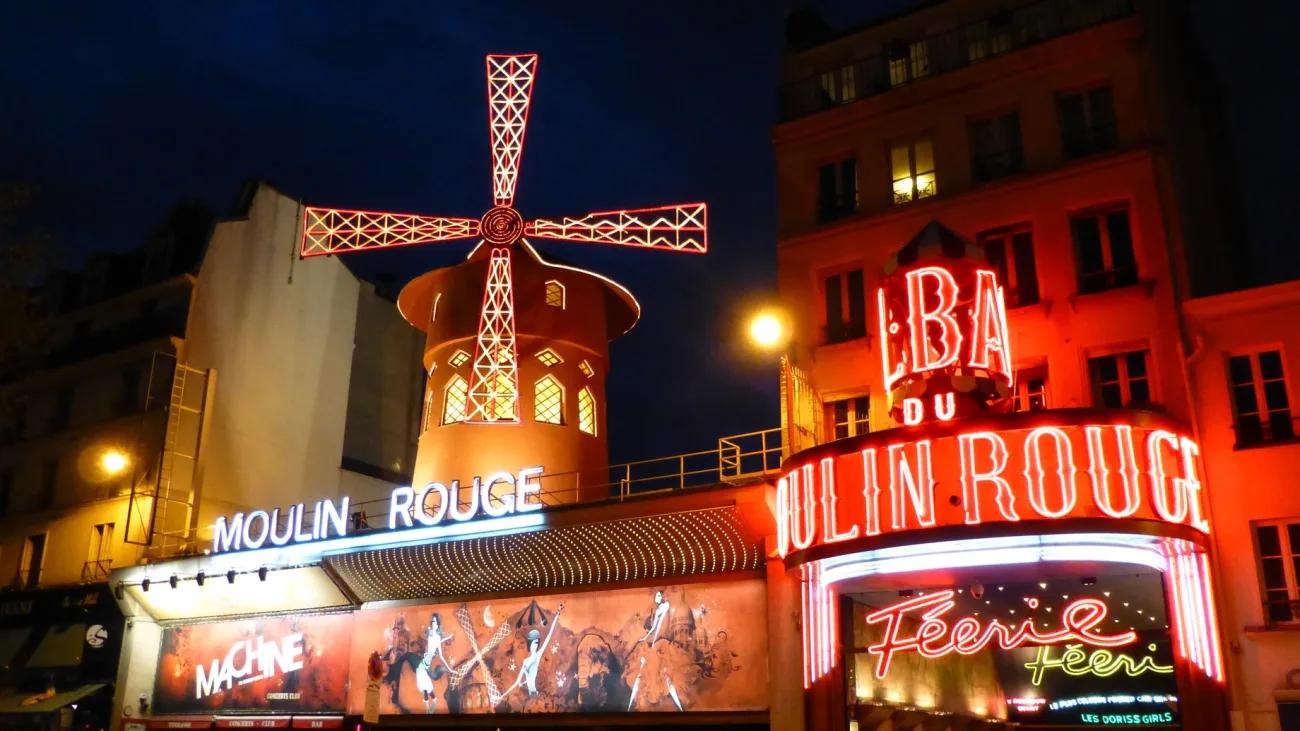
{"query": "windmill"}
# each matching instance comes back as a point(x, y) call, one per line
point(494, 384)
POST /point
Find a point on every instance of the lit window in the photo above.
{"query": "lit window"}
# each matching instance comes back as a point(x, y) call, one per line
point(1277, 546)
point(849, 416)
point(454, 398)
point(502, 395)
point(586, 411)
point(1260, 403)
point(1030, 393)
point(919, 53)
point(33, 560)
point(1103, 248)
point(838, 86)
point(549, 357)
point(458, 359)
point(548, 401)
point(837, 189)
point(913, 166)
point(1011, 251)
point(977, 40)
point(1120, 380)
point(555, 294)
point(586, 369)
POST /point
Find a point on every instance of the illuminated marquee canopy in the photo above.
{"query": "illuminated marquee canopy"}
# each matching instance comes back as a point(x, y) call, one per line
point(1032, 466)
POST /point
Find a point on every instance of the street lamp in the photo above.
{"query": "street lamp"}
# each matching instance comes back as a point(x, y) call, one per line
point(768, 329)
point(114, 462)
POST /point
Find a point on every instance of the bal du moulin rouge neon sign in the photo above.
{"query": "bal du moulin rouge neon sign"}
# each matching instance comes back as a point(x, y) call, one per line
point(946, 360)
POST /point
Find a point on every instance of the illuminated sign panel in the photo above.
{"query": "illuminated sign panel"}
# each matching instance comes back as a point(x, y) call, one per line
point(498, 495)
point(663, 649)
point(1033, 466)
point(284, 663)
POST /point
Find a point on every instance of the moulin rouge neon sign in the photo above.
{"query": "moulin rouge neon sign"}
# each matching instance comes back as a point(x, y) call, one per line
point(496, 496)
point(935, 637)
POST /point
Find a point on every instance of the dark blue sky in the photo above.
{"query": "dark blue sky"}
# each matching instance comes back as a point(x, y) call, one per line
point(120, 109)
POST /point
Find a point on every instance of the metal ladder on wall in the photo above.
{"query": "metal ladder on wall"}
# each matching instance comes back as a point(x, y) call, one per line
point(165, 505)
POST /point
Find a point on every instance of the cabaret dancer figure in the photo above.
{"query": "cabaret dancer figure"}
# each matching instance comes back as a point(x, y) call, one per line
point(426, 672)
point(536, 646)
point(655, 622)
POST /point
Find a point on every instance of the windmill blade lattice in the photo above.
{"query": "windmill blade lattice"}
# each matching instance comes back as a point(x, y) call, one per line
point(494, 384)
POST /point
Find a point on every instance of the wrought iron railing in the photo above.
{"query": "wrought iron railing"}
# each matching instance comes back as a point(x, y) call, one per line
point(737, 459)
point(95, 571)
point(936, 54)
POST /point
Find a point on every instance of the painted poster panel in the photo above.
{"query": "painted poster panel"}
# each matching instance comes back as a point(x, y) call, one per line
point(287, 663)
point(693, 647)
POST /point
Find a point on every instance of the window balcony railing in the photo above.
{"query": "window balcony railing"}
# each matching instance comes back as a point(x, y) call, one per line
point(1090, 140)
point(963, 46)
point(1281, 611)
point(96, 571)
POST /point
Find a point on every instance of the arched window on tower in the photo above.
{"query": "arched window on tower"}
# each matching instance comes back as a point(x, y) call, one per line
point(555, 294)
point(586, 411)
point(548, 401)
point(453, 402)
point(427, 421)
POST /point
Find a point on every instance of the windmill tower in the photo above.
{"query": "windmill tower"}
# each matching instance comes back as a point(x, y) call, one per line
point(516, 347)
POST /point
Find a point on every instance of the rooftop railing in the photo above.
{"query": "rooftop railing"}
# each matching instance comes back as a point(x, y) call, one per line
point(907, 61)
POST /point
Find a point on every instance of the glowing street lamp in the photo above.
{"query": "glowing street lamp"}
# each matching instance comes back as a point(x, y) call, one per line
point(114, 462)
point(768, 330)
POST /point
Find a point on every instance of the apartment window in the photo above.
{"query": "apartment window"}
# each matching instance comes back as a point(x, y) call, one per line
point(1278, 547)
point(846, 316)
point(839, 85)
point(99, 554)
point(33, 559)
point(555, 294)
point(586, 411)
point(913, 166)
point(1120, 380)
point(1261, 406)
point(837, 189)
point(977, 41)
point(849, 416)
point(908, 61)
point(1011, 251)
point(6, 490)
point(548, 401)
point(1103, 250)
point(995, 147)
point(454, 399)
point(1087, 122)
point(49, 483)
point(62, 408)
point(1030, 393)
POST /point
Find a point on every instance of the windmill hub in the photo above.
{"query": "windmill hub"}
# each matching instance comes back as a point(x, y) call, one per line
point(501, 225)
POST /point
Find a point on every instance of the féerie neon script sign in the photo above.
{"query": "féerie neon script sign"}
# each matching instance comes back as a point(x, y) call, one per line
point(496, 496)
point(934, 637)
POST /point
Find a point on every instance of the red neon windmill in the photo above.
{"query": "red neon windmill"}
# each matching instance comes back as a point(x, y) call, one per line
point(493, 391)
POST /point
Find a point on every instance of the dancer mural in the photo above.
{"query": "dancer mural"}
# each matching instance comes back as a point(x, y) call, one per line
point(697, 647)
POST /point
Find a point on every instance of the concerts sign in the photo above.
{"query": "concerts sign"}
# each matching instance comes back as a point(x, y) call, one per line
point(292, 664)
point(1069, 463)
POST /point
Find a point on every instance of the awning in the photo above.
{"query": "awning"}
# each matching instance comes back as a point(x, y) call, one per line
point(24, 702)
point(179, 722)
point(11, 641)
point(252, 722)
point(60, 647)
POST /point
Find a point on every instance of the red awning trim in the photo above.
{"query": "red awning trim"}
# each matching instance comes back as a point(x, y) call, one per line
point(252, 721)
point(179, 722)
point(324, 722)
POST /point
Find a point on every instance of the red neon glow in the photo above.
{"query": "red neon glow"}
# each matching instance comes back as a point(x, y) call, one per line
point(934, 637)
point(1099, 471)
point(819, 633)
point(1034, 469)
point(493, 395)
point(494, 390)
point(990, 344)
point(1065, 472)
point(972, 476)
point(935, 334)
point(892, 371)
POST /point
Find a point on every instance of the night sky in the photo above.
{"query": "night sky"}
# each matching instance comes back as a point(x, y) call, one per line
point(118, 110)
